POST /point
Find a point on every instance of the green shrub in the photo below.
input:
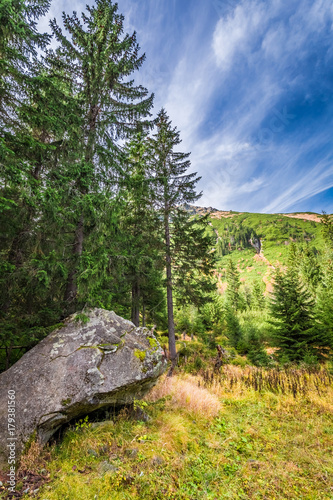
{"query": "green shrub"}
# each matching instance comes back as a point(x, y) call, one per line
point(239, 361)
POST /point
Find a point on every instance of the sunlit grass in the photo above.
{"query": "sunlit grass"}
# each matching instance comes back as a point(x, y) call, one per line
point(216, 439)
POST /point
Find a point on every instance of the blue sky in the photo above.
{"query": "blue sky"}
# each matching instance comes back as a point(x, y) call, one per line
point(249, 84)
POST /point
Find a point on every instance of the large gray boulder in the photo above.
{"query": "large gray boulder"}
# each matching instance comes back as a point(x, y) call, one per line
point(75, 370)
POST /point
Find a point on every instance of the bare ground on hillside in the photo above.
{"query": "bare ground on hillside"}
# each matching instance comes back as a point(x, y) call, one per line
point(305, 217)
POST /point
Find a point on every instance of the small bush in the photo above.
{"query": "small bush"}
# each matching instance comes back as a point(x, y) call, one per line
point(239, 361)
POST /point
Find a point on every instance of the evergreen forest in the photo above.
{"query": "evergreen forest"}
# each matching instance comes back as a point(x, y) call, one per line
point(100, 208)
point(97, 210)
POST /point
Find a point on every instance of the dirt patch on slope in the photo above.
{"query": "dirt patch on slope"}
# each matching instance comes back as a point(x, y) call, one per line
point(305, 217)
point(224, 214)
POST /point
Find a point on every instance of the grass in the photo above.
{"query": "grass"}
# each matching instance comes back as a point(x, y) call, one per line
point(208, 437)
point(276, 232)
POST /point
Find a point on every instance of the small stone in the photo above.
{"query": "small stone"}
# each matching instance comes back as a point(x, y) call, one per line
point(92, 453)
point(103, 450)
point(1, 484)
point(107, 467)
point(132, 453)
point(157, 461)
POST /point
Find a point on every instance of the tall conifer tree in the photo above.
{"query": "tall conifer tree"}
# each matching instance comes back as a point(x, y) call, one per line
point(98, 57)
point(173, 188)
point(139, 225)
point(292, 317)
point(233, 281)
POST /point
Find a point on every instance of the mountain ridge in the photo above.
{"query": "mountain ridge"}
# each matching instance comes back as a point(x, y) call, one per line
point(217, 213)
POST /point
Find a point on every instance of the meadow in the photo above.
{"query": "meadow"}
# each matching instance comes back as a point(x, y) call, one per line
point(240, 433)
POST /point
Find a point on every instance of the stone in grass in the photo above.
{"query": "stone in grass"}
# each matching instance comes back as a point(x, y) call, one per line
point(106, 467)
point(157, 461)
point(101, 362)
point(93, 453)
point(132, 453)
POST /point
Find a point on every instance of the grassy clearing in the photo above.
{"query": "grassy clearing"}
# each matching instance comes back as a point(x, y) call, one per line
point(207, 437)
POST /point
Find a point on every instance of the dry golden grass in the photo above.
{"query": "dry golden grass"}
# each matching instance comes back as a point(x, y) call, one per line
point(33, 459)
point(315, 386)
point(186, 392)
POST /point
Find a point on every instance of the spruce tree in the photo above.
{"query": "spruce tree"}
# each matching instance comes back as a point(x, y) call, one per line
point(139, 224)
point(193, 257)
point(310, 270)
point(324, 305)
point(19, 41)
point(258, 298)
point(327, 229)
point(174, 187)
point(293, 332)
point(233, 328)
point(97, 58)
point(233, 281)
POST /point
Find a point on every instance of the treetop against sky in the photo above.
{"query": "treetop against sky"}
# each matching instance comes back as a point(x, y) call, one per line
point(249, 85)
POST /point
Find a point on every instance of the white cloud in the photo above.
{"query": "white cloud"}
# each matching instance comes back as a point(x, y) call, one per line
point(238, 32)
point(245, 67)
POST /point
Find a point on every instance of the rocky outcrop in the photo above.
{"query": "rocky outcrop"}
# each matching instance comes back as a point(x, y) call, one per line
point(256, 243)
point(99, 362)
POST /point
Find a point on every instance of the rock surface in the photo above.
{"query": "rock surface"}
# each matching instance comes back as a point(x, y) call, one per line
point(75, 370)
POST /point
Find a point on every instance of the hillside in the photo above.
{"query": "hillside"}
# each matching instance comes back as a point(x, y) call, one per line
point(259, 243)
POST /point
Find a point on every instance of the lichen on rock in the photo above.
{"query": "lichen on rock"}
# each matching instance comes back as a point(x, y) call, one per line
point(77, 369)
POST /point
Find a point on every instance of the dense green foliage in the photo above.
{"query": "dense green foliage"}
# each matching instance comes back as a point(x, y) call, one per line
point(95, 209)
point(293, 320)
point(81, 180)
point(187, 247)
point(270, 311)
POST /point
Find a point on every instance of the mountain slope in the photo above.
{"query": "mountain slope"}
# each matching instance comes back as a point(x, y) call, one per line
point(259, 243)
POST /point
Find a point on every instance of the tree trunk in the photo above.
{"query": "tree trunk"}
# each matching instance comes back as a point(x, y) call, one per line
point(143, 314)
point(135, 316)
point(8, 353)
point(71, 288)
point(171, 323)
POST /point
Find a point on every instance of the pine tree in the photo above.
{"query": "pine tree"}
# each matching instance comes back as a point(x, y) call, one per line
point(233, 281)
point(324, 305)
point(97, 58)
point(292, 319)
point(142, 244)
point(173, 188)
point(258, 298)
point(233, 328)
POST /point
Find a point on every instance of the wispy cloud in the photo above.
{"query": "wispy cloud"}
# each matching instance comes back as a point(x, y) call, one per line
point(249, 86)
